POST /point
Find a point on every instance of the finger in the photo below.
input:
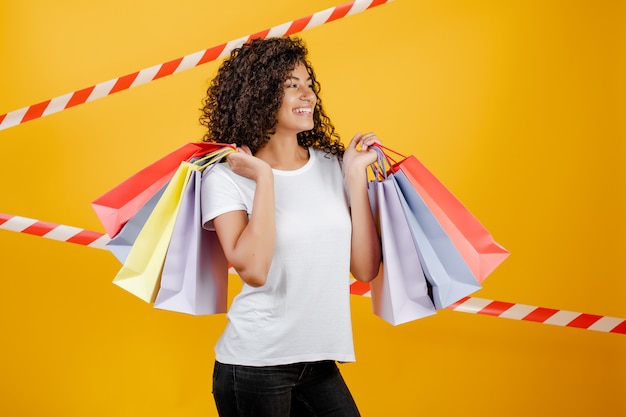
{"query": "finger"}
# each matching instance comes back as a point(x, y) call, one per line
point(369, 136)
point(245, 149)
point(368, 140)
point(372, 142)
point(355, 140)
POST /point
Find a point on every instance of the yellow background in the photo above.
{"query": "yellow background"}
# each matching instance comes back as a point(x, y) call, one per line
point(517, 106)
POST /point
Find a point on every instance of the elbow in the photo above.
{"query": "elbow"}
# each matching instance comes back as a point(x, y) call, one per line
point(367, 274)
point(367, 268)
point(365, 278)
point(254, 277)
point(254, 281)
point(252, 268)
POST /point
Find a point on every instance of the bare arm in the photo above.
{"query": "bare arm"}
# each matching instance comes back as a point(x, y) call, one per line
point(249, 244)
point(365, 252)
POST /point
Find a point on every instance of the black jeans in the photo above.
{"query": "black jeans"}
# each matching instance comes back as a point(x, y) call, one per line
point(311, 389)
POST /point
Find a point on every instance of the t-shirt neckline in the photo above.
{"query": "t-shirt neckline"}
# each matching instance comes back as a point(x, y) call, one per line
point(303, 168)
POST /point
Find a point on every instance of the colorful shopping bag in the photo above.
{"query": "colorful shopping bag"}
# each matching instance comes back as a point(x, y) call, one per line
point(444, 267)
point(478, 248)
point(122, 242)
point(194, 279)
point(117, 206)
point(141, 272)
point(400, 292)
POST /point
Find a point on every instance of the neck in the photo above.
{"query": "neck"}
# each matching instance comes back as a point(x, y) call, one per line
point(283, 153)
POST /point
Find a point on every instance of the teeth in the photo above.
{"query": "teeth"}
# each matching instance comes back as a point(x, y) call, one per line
point(303, 110)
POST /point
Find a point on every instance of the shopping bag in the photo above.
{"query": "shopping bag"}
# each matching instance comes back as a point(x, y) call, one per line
point(194, 279)
point(479, 250)
point(400, 292)
point(118, 205)
point(141, 272)
point(122, 242)
point(444, 267)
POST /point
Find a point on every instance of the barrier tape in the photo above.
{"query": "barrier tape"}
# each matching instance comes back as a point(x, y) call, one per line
point(53, 231)
point(471, 305)
point(146, 75)
point(506, 310)
point(540, 315)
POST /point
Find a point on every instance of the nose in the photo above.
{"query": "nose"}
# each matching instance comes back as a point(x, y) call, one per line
point(308, 95)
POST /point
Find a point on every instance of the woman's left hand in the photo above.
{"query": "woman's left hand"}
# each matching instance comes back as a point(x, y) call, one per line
point(358, 154)
point(365, 251)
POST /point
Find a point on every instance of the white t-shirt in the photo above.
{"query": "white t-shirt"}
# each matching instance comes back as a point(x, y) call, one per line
point(302, 313)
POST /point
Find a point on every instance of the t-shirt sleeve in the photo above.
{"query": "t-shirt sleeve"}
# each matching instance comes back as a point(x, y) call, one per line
point(218, 195)
point(345, 183)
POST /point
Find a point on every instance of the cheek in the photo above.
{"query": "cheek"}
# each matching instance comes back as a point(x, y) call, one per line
point(283, 114)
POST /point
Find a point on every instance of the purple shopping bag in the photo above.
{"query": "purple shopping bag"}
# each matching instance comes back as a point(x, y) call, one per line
point(194, 279)
point(400, 291)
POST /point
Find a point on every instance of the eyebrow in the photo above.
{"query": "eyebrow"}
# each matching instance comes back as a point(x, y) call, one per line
point(293, 77)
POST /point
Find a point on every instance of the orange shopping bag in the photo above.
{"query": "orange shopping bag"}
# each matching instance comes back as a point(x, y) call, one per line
point(478, 248)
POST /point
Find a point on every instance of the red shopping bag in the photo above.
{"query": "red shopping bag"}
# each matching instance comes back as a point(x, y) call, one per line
point(117, 206)
point(481, 253)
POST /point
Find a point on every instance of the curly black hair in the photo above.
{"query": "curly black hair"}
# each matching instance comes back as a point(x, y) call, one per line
point(244, 97)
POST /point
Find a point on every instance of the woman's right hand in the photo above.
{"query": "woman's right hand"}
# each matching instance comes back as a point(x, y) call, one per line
point(247, 165)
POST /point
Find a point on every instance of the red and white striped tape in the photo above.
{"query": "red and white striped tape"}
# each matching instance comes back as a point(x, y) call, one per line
point(144, 76)
point(53, 231)
point(523, 312)
point(540, 315)
point(471, 305)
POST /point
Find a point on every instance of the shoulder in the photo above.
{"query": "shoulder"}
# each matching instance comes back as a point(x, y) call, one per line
point(222, 173)
point(217, 173)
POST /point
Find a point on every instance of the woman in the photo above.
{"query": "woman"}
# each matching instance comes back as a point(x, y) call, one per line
point(292, 214)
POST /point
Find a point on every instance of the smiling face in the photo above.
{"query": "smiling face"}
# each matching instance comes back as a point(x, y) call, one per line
point(295, 114)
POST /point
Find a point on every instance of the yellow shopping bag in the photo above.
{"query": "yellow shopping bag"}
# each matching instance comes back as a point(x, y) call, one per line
point(140, 275)
point(141, 272)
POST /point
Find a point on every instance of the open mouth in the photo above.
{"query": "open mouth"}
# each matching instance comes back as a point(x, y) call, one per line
point(303, 110)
